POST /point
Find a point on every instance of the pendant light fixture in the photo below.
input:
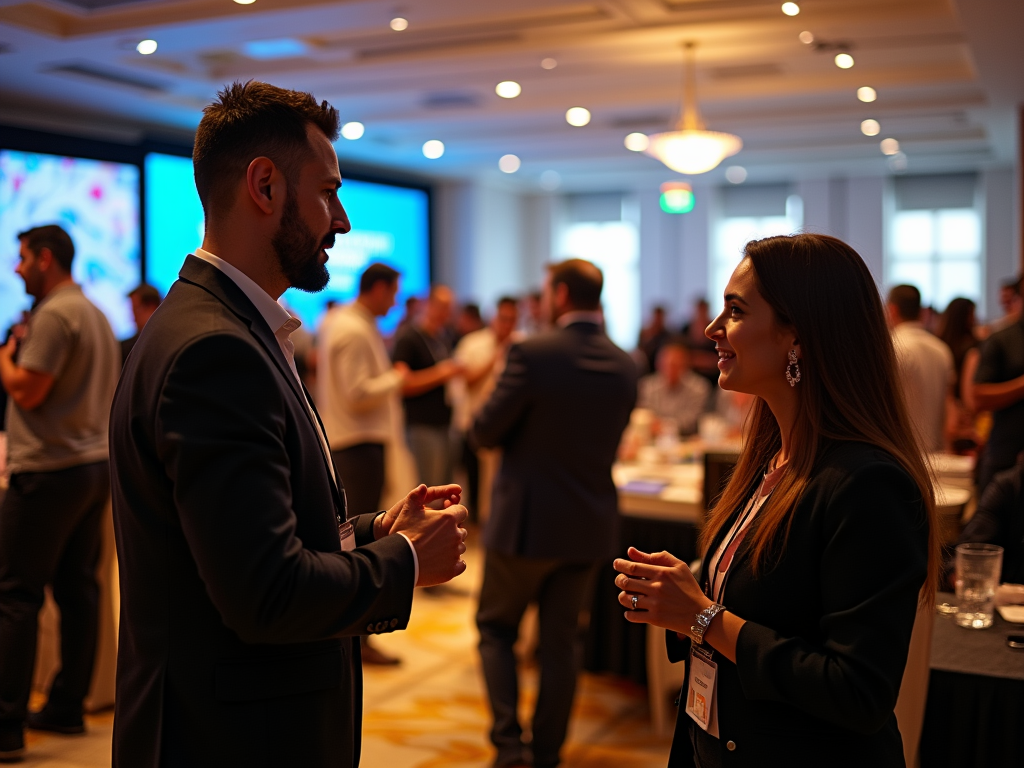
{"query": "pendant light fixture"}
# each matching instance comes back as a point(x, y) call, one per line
point(690, 149)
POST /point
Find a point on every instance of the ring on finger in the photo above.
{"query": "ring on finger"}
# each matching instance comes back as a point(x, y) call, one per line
point(633, 600)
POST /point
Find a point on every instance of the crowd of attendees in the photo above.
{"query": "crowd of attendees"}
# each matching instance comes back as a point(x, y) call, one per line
point(400, 410)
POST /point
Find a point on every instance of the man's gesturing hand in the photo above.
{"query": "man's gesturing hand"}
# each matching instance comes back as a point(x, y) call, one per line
point(437, 535)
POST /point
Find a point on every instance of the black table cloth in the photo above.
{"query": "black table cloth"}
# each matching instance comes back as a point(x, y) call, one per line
point(613, 644)
point(974, 716)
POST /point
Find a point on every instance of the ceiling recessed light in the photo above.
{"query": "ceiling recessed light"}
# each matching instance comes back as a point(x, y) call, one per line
point(806, 37)
point(736, 174)
point(870, 127)
point(844, 60)
point(866, 93)
point(548, 63)
point(790, 9)
point(433, 149)
point(509, 163)
point(508, 89)
point(146, 47)
point(637, 142)
point(399, 24)
point(353, 130)
point(577, 116)
point(889, 146)
point(245, 2)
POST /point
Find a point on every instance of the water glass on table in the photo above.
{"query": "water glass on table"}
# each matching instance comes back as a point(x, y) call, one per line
point(978, 567)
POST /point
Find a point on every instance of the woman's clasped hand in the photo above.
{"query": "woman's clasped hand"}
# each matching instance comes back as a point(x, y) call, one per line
point(668, 595)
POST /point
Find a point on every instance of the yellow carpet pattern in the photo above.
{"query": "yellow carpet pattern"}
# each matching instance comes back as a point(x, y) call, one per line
point(431, 711)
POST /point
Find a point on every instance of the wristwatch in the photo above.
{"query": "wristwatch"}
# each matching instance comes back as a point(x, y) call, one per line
point(703, 621)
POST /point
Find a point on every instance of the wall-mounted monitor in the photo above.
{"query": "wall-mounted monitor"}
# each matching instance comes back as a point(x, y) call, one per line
point(97, 203)
point(390, 224)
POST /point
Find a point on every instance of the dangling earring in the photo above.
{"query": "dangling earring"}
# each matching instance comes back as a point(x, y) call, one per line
point(793, 369)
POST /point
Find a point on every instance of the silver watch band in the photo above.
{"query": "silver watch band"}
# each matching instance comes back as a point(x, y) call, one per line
point(703, 621)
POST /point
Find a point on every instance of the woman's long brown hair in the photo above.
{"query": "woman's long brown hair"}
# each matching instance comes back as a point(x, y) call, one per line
point(849, 389)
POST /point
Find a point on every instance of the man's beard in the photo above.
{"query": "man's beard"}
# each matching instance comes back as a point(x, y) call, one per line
point(298, 250)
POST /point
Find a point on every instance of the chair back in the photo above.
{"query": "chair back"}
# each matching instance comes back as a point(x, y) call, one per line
point(914, 689)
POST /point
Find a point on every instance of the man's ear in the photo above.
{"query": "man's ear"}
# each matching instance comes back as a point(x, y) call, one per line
point(561, 295)
point(264, 184)
point(44, 259)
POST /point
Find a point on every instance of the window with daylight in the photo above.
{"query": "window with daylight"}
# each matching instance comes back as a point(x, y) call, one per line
point(748, 213)
point(603, 229)
point(934, 238)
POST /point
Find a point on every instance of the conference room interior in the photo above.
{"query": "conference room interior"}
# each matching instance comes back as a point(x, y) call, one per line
point(482, 142)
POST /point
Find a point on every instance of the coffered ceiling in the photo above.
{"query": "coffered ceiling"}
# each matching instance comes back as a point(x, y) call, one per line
point(949, 77)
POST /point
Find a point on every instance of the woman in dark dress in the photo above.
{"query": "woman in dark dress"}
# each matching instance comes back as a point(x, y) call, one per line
point(816, 556)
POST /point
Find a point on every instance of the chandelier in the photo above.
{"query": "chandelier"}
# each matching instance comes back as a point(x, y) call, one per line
point(691, 149)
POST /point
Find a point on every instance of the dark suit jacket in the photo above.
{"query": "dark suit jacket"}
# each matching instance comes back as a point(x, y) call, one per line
point(558, 412)
point(821, 657)
point(999, 519)
point(237, 607)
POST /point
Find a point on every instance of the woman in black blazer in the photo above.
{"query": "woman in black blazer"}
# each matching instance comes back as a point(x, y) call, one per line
point(821, 546)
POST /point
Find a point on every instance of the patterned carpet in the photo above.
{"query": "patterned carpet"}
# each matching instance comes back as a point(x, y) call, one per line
point(431, 712)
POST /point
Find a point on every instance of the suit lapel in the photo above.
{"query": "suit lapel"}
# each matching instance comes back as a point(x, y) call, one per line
point(208, 277)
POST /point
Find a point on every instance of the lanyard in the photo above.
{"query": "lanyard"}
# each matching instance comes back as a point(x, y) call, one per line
point(753, 507)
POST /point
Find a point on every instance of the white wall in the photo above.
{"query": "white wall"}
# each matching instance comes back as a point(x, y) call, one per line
point(490, 240)
point(1001, 243)
point(480, 242)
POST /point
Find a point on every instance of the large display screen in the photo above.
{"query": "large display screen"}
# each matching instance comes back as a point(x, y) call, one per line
point(390, 224)
point(97, 203)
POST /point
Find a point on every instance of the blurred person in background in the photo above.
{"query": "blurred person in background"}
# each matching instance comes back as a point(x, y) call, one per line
point(1011, 301)
point(359, 397)
point(423, 349)
point(653, 337)
point(703, 357)
point(534, 320)
point(999, 388)
point(60, 378)
point(925, 366)
point(958, 329)
point(145, 299)
point(674, 392)
point(558, 414)
point(468, 321)
point(413, 305)
point(999, 519)
point(482, 355)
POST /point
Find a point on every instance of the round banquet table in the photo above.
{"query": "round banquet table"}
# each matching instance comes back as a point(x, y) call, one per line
point(974, 716)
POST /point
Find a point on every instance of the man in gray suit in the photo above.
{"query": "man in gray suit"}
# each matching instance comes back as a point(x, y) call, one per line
point(558, 413)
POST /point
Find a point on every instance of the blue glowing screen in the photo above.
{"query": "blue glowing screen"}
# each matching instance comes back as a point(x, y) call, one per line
point(390, 224)
point(97, 203)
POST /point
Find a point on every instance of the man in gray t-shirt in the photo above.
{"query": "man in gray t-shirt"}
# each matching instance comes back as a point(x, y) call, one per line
point(60, 372)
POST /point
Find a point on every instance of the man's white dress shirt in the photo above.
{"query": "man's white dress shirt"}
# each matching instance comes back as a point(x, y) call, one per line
point(926, 375)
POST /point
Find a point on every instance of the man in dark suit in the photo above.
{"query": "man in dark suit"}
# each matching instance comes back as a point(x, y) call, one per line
point(558, 413)
point(242, 583)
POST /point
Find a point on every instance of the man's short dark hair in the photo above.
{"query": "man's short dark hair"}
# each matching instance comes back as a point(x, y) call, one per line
point(471, 310)
point(583, 281)
point(251, 120)
point(54, 237)
point(907, 300)
point(146, 294)
point(377, 273)
point(506, 300)
point(1012, 284)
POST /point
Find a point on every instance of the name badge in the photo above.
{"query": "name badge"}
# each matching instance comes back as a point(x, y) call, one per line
point(347, 536)
point(700, 693)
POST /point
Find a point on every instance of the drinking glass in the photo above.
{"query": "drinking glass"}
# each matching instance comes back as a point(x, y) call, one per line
point(977, 575)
